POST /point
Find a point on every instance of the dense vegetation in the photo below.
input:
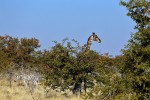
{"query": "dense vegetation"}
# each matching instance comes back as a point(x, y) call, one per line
point(102, 77)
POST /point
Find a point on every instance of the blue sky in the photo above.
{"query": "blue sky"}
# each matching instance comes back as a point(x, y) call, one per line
point(49, 20)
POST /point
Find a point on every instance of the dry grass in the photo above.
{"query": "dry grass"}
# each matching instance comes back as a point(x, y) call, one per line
point(21, 93)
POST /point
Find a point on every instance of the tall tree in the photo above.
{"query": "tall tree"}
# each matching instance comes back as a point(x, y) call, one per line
point(137, 50)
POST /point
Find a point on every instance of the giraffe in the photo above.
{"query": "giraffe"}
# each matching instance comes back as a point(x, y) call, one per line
point(77, 86)
point(91, 38)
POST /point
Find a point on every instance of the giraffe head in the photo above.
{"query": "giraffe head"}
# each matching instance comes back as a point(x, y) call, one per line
point(93, 37)
point(96, 38)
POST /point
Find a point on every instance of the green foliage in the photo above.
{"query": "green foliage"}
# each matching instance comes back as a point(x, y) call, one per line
point(58, 64)
point(138, 49)
point(138, 11)
point(66, 65)
point(13, 50)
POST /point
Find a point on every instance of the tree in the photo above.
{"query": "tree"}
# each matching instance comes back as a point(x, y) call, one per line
point(17, 51)
point(85, 69)
point(57, 64)
point(138, 48)
point(68, 67)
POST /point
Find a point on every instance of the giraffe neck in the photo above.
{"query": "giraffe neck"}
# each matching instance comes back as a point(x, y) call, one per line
point(89, 42)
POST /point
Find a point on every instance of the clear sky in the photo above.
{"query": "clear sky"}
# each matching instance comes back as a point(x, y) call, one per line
point(49, 20)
